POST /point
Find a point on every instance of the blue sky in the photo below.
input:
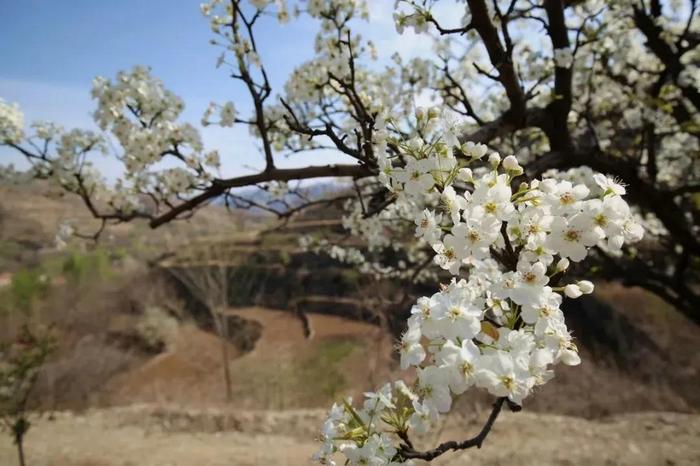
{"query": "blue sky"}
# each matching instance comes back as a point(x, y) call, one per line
point(51, 51)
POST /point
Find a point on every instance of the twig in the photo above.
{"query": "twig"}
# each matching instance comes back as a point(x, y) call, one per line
point(476, 441)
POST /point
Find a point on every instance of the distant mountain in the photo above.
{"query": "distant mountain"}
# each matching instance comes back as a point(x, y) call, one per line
point(310, 191)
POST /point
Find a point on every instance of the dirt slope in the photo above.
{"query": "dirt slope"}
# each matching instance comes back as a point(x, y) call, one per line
point(344, 357)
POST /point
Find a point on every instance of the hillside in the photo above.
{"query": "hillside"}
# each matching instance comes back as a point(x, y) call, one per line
point(343, 357)
point(138, 375)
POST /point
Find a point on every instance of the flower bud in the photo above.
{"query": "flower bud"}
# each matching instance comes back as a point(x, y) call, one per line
point(570, 357)
point(465, 174)
point(572, 291)
point(511, 163)
point(563, 264)
point(442, 150)
point(585, 286)
point(494, 160)
point(420, 113)
point(433, 112)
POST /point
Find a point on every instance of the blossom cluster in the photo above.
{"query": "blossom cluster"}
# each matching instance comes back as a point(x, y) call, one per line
point(563, 57)
point(141, 113)
point(223, 19)
point(11, 123)
point(498, 324)
point(227, 114)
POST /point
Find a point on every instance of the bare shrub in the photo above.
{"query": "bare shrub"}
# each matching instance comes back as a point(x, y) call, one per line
point(209, 283)
point(75, 378)
point(156, 328)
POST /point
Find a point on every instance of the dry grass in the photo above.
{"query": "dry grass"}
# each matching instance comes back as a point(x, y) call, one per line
point(177, 436)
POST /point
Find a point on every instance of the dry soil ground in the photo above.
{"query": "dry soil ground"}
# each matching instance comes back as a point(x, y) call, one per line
point(178, 424)
point(147, 435)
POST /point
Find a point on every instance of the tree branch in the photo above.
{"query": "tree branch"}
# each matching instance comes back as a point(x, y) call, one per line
point(476, 441)
point(557, 129)
point(218, 187)
point(499, 58)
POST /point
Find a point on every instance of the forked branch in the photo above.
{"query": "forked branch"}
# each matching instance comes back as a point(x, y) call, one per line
point(408, 452)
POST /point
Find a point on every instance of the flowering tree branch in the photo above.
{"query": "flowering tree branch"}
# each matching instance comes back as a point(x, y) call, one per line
point(500, 58)
point(604, 114)
point(408, 452)
point(219, 187)
point(558, 130)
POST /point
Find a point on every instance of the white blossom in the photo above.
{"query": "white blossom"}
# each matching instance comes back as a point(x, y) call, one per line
point(11, 123)
point(563, 58)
